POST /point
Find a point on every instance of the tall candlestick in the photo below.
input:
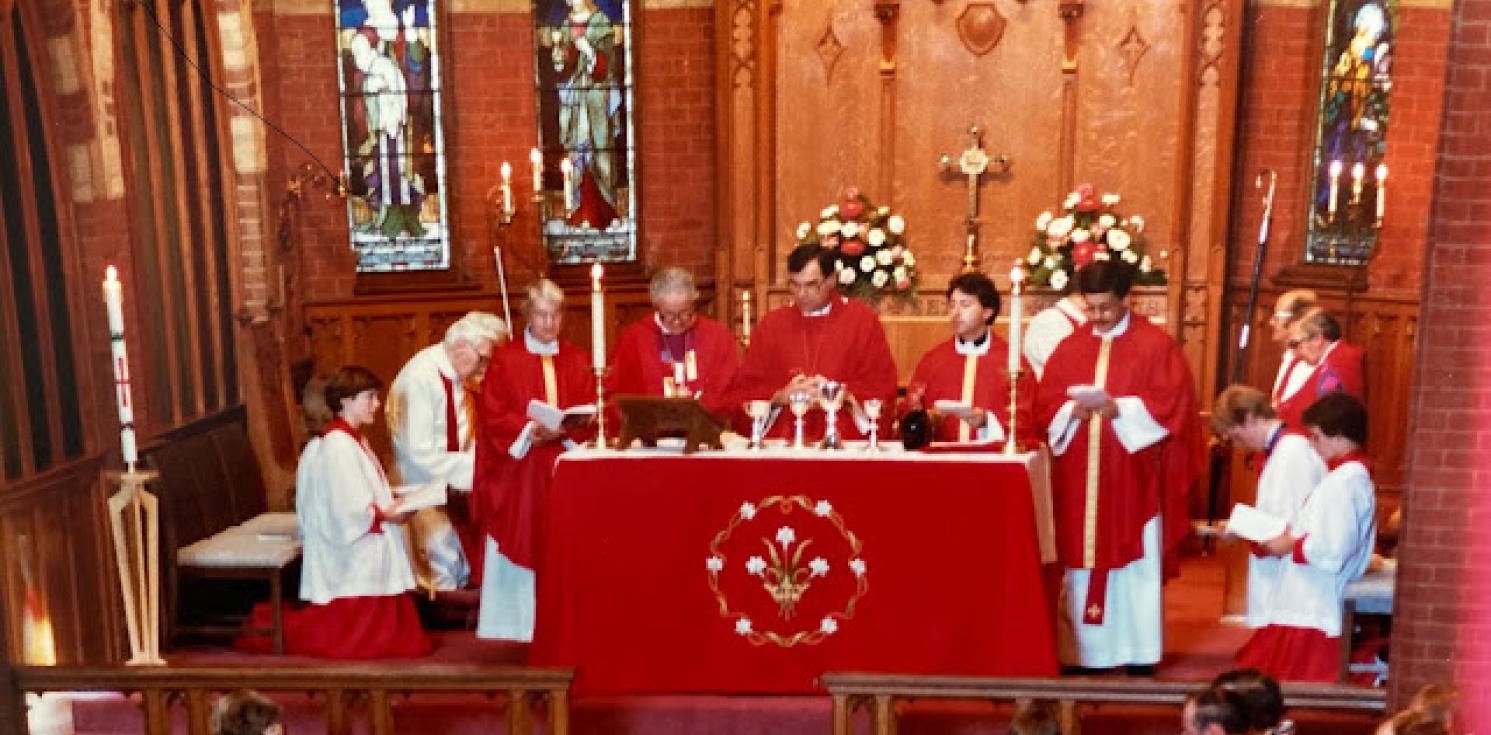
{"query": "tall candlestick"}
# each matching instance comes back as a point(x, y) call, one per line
point(597, 318)
point(1335, 170)
point(1358, 170)
point(507, 188)
point(536, 161)
point(745, 316)
point(1017, 281)
point(114, 305)
point(1381, 190)
point(568, 169)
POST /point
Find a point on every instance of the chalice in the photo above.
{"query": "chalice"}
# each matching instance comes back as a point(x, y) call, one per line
point(799, 401)
point(872, 412)
point(758, 411)
point(831, 397)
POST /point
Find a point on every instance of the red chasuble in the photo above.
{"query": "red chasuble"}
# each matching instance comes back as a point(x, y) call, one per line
point(847, 344)
point(508, 493)
point(1340, 369)
point(1101, 508)
point(944, 372)
point(642, 360)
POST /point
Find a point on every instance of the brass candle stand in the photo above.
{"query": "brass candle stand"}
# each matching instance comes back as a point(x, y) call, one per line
point(1012, 442)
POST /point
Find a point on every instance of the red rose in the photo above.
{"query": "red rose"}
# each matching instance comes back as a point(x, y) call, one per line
point(830, 241)
point(1082, 253)
point(851, 209)
point(852, 247)
point(1087, 199)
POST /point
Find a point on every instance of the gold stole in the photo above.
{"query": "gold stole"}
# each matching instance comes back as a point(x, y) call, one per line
point(970, 377)
point(1094, 450)
point(551, 382)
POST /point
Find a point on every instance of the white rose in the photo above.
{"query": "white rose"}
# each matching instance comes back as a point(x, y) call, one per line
point(883, 257)
point(883, 211)
point(1050, 262)
point(803, 230)
point(829, 211)
point(1107, 220)
point(1102, 255)
point(1110, 199)
point(1145, 265)
point(876, 237)
point(1071, 200)
point(1119, 240)
point(900, 273)
point(1034, 257)
point(895, 224)
point(846, 276)
point(1043, 221)
point(1081, 235)
point(867, 264)
point(1058, 280)
point(850, 229)
point(1137, 223)
point(1059, 227)
point(1129, 257)
point(878, 280)
point(908, 259)
point(828, 227)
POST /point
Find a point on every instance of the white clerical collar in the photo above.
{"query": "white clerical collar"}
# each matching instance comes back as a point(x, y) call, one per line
point(443, 364)
point(1119, 328)
point(976, 348)
point(820, 312)
point(658, 320)
point(539, 348)
point(1069, 307)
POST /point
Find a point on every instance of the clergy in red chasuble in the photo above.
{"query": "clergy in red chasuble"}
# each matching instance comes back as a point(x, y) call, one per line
point(972, 368)
point(674, 350)
point(1118, 407)
point(820, 336)
point(515, 456)
point(1328, 363)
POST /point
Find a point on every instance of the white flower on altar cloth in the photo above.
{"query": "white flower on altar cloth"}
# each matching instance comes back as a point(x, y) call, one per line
point(828, 227)
point(1145, 265)
point(1081, 235)
point(803, 230)
point(1110, 200)
point(822, 509)
point(1107, 221)
point(748, 510)
point(743, 626)
point(755, 566)
point(1137, 223)
point(883, 257)
point(714, 563)
point(867, 264)
point(1050, 262)
point(876, 237)
point(829, 626)
point(1034, 256)
point(1059, 227)
point(818, 566)
point(829, 211)
point(857, 566)
point(908, 259)
point(896, 224)
point(846, 275)
point(1129, 257)
point(1119, 240)
point(1043, 221)
point(785, 536)
point(1058, 280)
point(879, 279)
point(850, 229)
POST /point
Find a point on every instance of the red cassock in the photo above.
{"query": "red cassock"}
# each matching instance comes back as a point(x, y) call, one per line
point(942, 371)
point(1146, 363)
point(642, 360)
point(1340, 369)
point(508, 493)
point(847, 345)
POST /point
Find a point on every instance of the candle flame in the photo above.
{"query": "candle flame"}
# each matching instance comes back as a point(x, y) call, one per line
point(535, 157)
point(596, 271)
point(111, 274)
point(1017, 274)
point(566, 166)
point(507, 170)
point(1335, 168)
point(1381, 171)
point(1357, 170)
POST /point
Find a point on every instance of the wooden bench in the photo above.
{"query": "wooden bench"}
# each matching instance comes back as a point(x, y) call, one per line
point(215, 523)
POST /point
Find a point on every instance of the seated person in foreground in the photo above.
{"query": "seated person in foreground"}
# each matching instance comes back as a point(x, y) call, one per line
point(972, 369)
point(1214, 711)
point(356, 573)
point(246, 712)
point(1327, 545)
point(1261, 700)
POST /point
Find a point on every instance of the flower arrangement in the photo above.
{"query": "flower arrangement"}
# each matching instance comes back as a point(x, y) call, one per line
point(1089, 228)
point(871, 246)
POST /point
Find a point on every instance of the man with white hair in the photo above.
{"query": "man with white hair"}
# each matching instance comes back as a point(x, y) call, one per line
point(676, 351)
point(430, 419)
point(515, 456)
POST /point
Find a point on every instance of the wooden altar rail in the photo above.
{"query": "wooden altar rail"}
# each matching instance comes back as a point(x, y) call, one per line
point(345, 689)
point(879, 693)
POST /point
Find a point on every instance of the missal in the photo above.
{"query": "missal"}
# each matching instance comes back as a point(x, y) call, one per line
point(1087, 395)
point(1254, 525)
point(551, 417)
point(418, 497)
point(953, 408)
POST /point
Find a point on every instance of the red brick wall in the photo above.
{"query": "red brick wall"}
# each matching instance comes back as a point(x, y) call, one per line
point(1444, 587)
point(1278, 109)
point(490, 117)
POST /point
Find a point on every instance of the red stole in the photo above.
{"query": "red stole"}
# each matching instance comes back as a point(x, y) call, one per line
point(1340, 369)
point(943, 371)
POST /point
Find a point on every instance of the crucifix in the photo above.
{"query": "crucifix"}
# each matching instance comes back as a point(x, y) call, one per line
point(973, 163)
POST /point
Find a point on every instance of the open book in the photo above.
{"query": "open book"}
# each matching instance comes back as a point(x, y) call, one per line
point(1253, 524)
point(551, 417)
point(1087, 395)
point(953, 408)
point(421, 496)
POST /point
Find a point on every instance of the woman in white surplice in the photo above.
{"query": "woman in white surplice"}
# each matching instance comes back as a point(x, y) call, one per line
point(356, 573)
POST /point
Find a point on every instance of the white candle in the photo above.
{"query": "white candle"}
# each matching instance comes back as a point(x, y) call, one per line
point(568, 169)
point(1381, 189)
point(1017, 279)
point(1357, 172)
point(507, 188)
point(745, 315)
point(1335, 187)
point(536, 161)
point(114, 305)
point(597, 318)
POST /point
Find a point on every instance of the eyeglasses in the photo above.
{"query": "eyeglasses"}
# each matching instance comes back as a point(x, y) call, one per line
point(682, 315)
point(1293, 343)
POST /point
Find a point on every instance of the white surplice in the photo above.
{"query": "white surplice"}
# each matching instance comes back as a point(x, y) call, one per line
point(1047, 329)
point(1290, 472)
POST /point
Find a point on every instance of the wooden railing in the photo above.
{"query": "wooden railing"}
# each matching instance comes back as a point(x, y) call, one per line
point(343, 690)
point(879, 693)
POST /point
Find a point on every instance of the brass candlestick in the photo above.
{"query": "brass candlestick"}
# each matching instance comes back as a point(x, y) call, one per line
point(1011, 443)
point(600, 408)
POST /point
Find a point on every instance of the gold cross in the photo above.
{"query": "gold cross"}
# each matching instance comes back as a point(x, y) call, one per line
point(1094, 611)
point(973, 163)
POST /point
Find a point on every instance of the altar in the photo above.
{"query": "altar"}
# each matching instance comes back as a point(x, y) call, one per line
point(756, 572)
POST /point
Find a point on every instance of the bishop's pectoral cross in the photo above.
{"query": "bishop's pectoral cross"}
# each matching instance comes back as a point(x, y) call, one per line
point(973, 163)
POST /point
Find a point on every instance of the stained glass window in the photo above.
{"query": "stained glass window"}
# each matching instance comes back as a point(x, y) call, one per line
point(1350, 184)
point(583, 57)
point(394, 148)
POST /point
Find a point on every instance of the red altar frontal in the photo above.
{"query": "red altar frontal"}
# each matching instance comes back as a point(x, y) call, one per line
point(739, 572)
